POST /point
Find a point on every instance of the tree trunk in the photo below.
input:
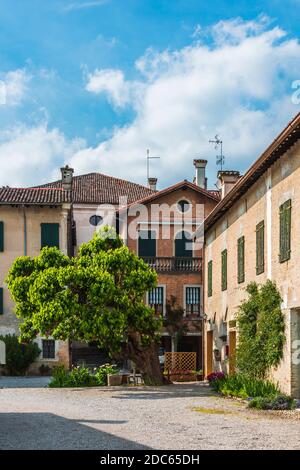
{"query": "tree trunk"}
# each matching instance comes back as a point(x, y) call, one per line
point(147, 362)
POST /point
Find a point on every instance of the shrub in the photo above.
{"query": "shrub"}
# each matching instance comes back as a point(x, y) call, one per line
point(261, 331)
point(242, 386)
point(59, 377)
point(215, 376)
point(19, 356)
point(81, 376)
point(279, 402)
point(102, 372)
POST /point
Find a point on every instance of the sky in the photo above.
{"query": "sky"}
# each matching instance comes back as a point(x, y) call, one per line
point(95, 83)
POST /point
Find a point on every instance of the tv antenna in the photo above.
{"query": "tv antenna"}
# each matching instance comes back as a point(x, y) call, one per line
point(220, 159)
point(148, 162)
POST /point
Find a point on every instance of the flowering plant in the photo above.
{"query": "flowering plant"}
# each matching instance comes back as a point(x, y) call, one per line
point(215, 376)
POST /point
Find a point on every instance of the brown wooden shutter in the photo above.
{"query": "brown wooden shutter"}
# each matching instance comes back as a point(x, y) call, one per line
point(1, 236)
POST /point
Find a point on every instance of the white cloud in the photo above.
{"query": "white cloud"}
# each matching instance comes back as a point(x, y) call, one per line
point(238, 86)
point(112, 83)
point(33, 155)
point(84, 5)
point(13, 86)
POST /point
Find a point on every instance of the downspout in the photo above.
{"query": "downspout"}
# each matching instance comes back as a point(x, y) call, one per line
point(25, 230)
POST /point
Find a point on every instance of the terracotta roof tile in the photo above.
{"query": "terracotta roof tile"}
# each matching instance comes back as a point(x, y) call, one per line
point(97, 188)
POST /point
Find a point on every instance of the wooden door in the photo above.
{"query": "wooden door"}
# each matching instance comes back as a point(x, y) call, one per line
point(209, 353)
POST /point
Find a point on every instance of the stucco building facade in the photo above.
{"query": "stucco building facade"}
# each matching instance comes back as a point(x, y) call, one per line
point(252, 235)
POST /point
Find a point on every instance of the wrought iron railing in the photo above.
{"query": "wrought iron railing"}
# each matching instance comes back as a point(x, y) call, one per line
point(174, 264)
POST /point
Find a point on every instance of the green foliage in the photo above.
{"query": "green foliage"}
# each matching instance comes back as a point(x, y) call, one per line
point(242, 386)
point(19, 356)
point(261, 331)
point(279, 402)
point(96, 297)
point(81, 376)
point(102, 372)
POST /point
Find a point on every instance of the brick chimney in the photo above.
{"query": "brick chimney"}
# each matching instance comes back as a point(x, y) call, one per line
point(152, 182)
point(67, 177)
point(200, 179)
point(227, 179)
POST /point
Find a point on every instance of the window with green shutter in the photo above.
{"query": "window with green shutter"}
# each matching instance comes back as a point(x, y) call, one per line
point(209, 278)
point(260, 247)
point(1, 236)
point(147, 243)
point(224, 269)
point(49, 235)
point(1, 301)
point(241, 259)
point(285, 212)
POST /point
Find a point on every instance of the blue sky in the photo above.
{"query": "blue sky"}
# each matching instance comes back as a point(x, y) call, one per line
point(96, 82)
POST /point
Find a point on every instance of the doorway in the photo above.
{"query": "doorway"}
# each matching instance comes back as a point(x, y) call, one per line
point(232, 352)
point(209, 352)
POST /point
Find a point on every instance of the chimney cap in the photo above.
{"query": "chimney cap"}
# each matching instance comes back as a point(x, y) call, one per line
point(228, 173)
point(200, 162)
point(152, 180)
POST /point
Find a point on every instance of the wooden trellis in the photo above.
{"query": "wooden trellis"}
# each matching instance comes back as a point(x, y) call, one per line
point(180, 361)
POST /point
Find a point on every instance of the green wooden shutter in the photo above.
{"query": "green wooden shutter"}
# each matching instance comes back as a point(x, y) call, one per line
point(224, 269)
point(147, 244)
point(285, 212)
point(50, 235)
point(1, 236)
point(209, 278)
point(241, 259)
point(1, 301)
point(260, 248)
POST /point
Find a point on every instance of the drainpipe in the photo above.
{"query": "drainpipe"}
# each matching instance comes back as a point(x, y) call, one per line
point(25, 230)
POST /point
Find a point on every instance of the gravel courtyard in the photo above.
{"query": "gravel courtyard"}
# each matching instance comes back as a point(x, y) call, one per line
point(187, 416)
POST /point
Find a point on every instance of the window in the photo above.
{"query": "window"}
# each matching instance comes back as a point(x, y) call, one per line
point(50, 235)
point(147, 243)
point(260, 248)
point(241, 259)
point(209, 278)
point(1, 236)
point(48, 348)
point(1, 301)
point(95, 220)
point(183, 206)
point(224, 269)
point(285, 231)
point(156, 299)
point(192, 300)
point(183, 245)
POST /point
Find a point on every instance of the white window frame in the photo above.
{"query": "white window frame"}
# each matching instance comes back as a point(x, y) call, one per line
point(184, 296)
point(165, 299)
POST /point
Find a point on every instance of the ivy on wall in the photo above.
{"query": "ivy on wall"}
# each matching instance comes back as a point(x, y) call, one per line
point(261, 330)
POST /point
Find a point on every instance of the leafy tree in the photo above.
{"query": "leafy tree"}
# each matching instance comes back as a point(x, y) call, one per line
point(94, 297)
point(19, 356)
point(261, 330)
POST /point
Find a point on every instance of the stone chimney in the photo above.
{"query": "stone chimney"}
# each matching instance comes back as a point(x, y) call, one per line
point(200, 179)
point(152, 182)
point(67, 177)
point(226, 180)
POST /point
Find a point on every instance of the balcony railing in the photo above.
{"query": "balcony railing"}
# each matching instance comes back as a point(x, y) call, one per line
point(170, 264)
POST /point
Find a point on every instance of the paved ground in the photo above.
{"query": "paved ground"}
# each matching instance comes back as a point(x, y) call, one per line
point(186, 416)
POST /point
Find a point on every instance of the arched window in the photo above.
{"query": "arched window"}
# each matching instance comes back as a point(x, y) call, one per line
point(183, 245)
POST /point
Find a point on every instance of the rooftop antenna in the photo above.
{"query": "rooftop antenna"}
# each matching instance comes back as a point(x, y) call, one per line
point(220, 159)
point(148, 163)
